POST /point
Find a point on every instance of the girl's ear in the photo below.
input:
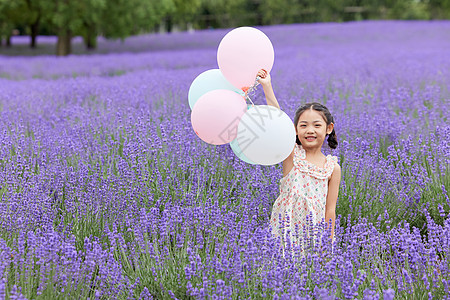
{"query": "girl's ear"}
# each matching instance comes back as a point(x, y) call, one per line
point(330, 128)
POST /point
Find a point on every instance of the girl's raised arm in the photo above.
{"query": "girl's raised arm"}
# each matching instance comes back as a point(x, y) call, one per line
point(265, 81)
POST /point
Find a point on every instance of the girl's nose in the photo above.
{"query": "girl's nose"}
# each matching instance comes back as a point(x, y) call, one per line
point(310, 130)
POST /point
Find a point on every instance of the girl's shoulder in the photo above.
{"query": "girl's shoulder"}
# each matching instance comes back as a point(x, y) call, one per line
point(333, 159)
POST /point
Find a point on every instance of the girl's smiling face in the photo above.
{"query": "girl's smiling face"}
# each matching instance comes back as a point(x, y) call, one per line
point(312, 129)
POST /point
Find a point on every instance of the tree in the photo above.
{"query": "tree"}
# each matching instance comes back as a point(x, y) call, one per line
point(11, 15)
point(3, 21)
point(90, 18)
point(229, 13)
point(91, 13)
point(122, 18)
point(439, 9)
point(182, 12)
point(287, 11)
point(330, 10)
point(65, 17)
point(33, 13)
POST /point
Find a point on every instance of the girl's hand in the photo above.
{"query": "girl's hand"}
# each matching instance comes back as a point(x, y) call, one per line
point(264, 77)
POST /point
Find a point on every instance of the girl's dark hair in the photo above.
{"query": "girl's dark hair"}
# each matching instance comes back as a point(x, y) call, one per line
point(323, 110)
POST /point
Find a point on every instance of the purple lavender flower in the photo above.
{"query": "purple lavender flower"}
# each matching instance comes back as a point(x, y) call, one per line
point(106, 191)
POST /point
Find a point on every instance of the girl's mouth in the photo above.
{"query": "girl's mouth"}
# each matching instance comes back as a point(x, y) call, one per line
point(310, 138)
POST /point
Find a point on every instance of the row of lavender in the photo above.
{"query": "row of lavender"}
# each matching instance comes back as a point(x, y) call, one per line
point(106, 192)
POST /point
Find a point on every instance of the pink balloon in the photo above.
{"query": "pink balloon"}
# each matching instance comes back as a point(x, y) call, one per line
point(216, 115)
point(242, 53)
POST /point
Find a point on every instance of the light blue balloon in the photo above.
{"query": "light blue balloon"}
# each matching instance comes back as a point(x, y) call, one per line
point(208, 81)
point(237, 150)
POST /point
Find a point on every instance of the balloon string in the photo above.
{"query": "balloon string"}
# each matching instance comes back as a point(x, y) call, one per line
point(249, 99)
point(251, 89)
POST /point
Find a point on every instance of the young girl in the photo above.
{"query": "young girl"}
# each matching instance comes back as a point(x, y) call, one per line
point(310, 183)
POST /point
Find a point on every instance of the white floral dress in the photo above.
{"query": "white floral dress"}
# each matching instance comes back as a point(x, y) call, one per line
point(302, 192)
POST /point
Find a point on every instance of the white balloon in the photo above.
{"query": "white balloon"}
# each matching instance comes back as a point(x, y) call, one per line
point(266, 135)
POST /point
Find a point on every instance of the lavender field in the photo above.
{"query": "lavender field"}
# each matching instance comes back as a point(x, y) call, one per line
point(106, 192)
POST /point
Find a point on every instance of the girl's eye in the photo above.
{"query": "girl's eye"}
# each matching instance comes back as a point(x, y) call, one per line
point(317, 125)
point(302, 126)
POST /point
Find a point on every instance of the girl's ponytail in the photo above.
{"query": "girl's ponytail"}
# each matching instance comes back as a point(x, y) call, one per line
point(332, 140)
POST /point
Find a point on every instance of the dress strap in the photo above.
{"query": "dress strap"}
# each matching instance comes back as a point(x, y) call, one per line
point(299, 153)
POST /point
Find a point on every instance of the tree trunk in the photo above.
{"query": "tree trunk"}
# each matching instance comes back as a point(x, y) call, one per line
point(91, 43)
point(63, 46)
point(34, 32)
point(169, 24)
point(90, 40)
point(8, 41)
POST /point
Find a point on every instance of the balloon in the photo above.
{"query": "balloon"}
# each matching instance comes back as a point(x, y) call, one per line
point(266, 135)
point(208, 81)
point(216, 115)
point(238, 152)
point(242, 53)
